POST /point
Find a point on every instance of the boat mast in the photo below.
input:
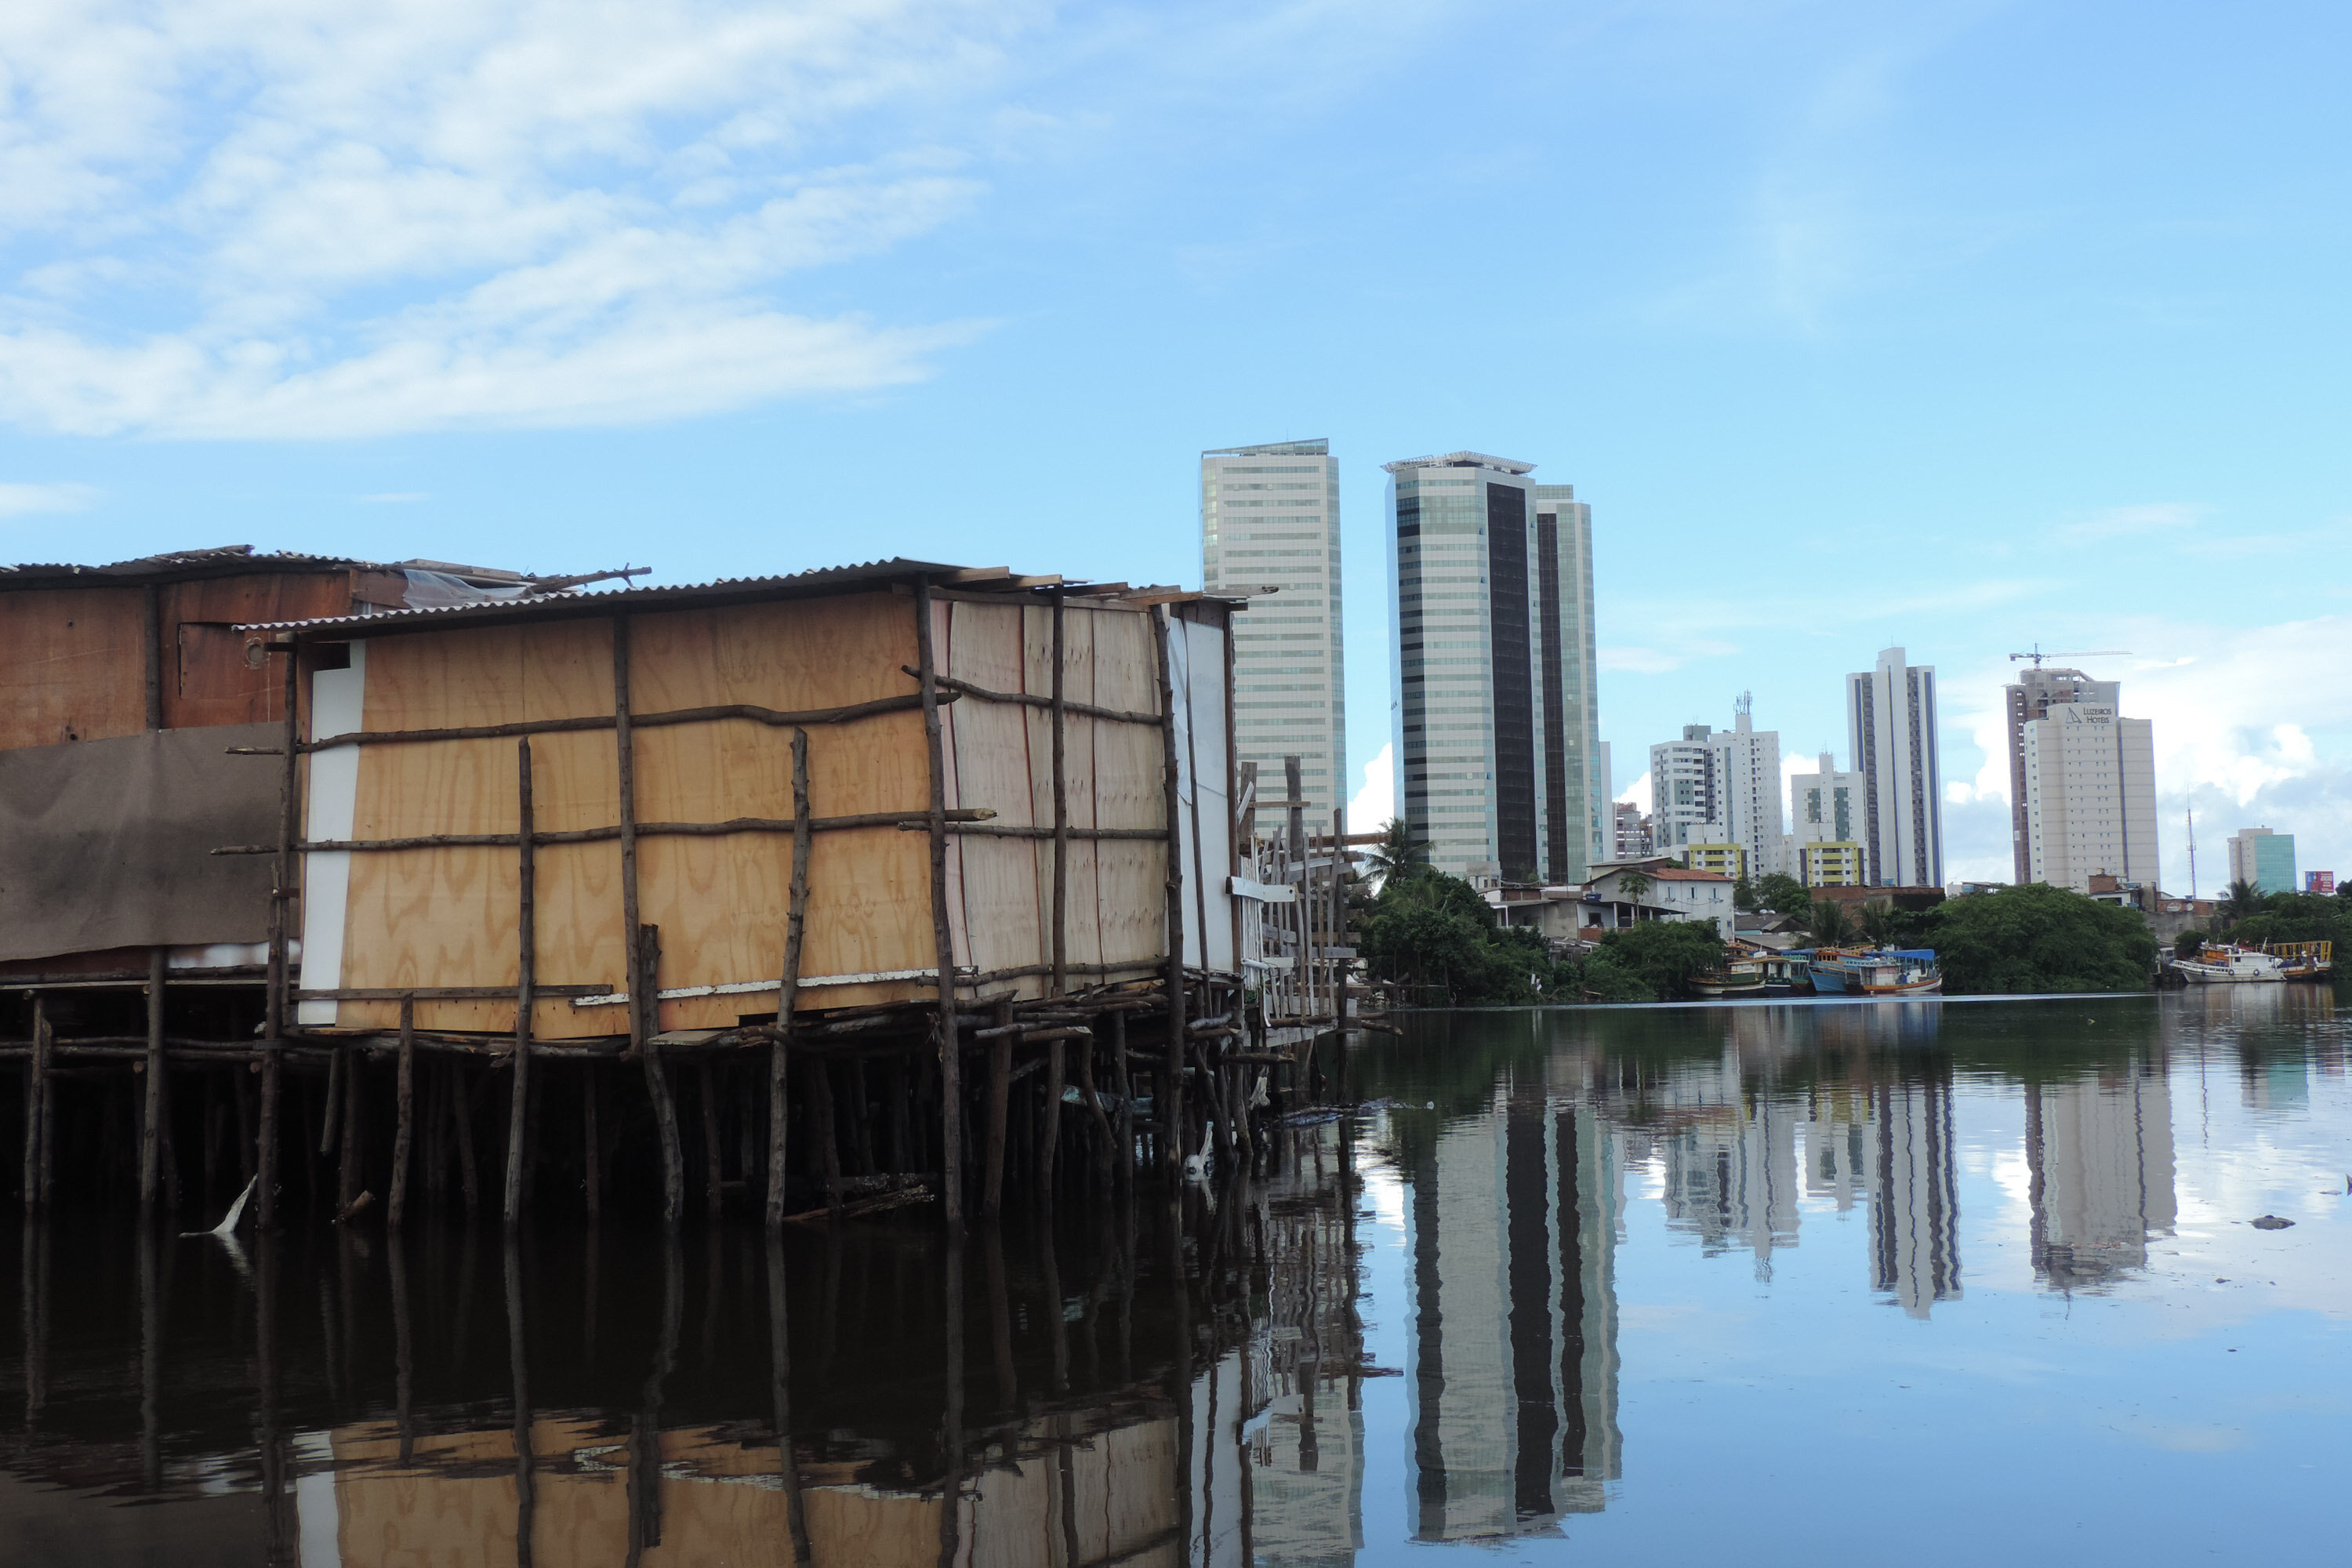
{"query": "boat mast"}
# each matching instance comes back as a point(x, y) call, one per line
point(2192, 853)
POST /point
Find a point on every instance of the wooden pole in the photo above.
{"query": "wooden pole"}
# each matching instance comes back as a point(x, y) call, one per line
point(625, 758)
point(1124, 1086)
point(1049, 1145)
point(347, 1173)
point(329, 1128)
point(525, 982)
point(150, 1135)
point(36, 1094)
point(943, 942)
point(822, 1131)
point(281, 909)
point(646, 982)
point(1000, 1091)
point(397, 1208)
point(592, 1147)
point(461, 1127)
point(788, 995)
point(1061, 812)
point(1103, 1134)
point(714, 1194)
point(1167, 1110)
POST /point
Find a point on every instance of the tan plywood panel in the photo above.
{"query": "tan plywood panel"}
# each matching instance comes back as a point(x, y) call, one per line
point(72, 665)
point(999, 903)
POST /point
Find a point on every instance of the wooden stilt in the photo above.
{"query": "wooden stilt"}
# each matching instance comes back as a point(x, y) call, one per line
point(1049, 1138)
point(330, 1125)
point(396, 1209)
point(526, 984)
point(1061, 813)
point(714, 1194)
point(1000, 1087)
point(352, 1110)
point(788, 995)
point(657, 1087)
point(592, 1146)
point(36, 1098)
point(151, 1132)
point(943, 942)
point(1123, 1085)
point(822, 1131)
point(1103, 1134)
point(461, 1129)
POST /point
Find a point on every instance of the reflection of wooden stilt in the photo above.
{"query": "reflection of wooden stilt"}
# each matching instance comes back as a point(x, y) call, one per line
point(1000, 1321)
point(645, 1427)
point(818, 1079)
point(461, 1130)
point(151, 1365)
point(519, 1365)
point(403, 1352)
point(780, 1372)
point(35, 1314)
point(951, 1500)
point(592, 1146)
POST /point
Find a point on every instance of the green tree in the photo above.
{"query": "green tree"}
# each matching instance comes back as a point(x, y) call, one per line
point(1881, 926)
point(1398, 853)
point(1784, 894)
point(2239, 900)
point(1662, 955)
point(1426, 927)
point(2188, 945)
point(2298, 917)
point(1829, 925)
point(2037, 938)
point(1598, 977)
point(1633, 885)
point(1743, 896)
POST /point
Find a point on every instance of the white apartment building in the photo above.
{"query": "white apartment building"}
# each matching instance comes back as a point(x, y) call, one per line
point(1496, 733)
point(2090, 795)
point(1891, 724)
point(1747, 790)
point(1684, 797)
point(1270, 520)
point(2030, 697)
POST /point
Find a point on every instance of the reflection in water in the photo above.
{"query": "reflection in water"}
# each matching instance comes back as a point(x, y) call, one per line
point(1119, 1382)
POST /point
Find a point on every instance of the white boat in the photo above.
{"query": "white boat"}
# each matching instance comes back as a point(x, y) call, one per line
point(2227, 966)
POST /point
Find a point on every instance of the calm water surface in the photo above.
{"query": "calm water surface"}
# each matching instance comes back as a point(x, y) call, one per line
point(1927, 1282)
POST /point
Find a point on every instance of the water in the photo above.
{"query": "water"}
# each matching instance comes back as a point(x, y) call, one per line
point(1952, 1282)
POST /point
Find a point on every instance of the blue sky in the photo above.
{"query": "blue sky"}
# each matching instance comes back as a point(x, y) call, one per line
point(1957, 326)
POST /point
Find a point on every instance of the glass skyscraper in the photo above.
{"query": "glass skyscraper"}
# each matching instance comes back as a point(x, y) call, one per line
point(1496, 725)
point(1270, 520)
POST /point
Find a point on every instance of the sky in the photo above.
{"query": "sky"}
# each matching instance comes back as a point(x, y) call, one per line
point(1960, 327)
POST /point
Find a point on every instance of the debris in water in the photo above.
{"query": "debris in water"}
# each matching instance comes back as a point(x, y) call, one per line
point(2271, 1221)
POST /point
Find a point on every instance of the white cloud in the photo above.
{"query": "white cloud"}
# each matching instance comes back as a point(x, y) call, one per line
point(1374, 803)
point(22, 500)
point(290, 217)
point(1637, 794)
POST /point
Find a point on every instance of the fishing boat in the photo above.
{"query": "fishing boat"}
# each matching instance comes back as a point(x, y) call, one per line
point(2229, 966)
point(1878, 972)
point(1740, 977)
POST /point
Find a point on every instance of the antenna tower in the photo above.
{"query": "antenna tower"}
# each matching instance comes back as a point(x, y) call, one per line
point(2192, 853)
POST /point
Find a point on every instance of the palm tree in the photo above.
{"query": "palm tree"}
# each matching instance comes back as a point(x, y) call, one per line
point(2239, 900)
point(1878, 924)
point(1830, 926)
point(1397, 855)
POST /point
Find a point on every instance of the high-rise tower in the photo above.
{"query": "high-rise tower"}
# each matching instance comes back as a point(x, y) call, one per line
point(1270, 519)
point(1496, 726)
point(1891, 722)
point(2030, 697)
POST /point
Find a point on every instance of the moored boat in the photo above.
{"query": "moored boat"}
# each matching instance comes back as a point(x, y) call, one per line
point(1742, 977)
point(1878, 972)
point(2230, 965)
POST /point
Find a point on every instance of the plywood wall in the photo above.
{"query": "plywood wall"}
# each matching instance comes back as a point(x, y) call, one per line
point(446, 916)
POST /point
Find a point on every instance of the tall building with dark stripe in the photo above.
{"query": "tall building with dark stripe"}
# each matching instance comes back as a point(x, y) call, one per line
point(1495, 721)
point(1512, 1362)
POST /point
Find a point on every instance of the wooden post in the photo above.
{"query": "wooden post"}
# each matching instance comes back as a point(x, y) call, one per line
point(526, 984)
point(1000, 1092)
point(281, 912)
point(592, 1146)
point(646, 982)
point(36, 1096)
point(943, 942)
point(821, 1131)
point(396, 1209)
point(347, 1173)
point(1103, 1134)
point(461, 1120)
point(625, 758)
point(1124, 1086)
point(1061, 813)
point(329, 1128)
point(1167, 1110)
point(150, 1135)
point(714, 1195)
point(1049, 1144)
point(788, 994)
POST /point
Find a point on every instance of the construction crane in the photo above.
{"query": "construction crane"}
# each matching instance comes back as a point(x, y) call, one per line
point(2037, 656)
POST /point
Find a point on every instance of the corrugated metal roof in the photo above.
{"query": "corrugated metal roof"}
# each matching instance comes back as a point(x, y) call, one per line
point(719, 590)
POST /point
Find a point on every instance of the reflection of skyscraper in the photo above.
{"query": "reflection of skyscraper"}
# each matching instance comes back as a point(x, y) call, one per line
point(1733, 1179)
point(1914, 1216)
point(2100, 1151)
point(1514, 1361)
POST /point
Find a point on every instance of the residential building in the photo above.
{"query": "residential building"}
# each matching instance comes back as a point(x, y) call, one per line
point(1825, 807)
point(1748, 788)
point(1685, 789)
point(1497, 739)
point(2262, 858)
point(2090, 791)
point(1270, 520)
point(2030, 697)
point(1830, 864)
point(1722, 859)
point(1891, 724)
point(1633, 831)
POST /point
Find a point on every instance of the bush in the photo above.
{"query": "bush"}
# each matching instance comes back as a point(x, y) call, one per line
point(2037, 938)
point(1429, 928)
